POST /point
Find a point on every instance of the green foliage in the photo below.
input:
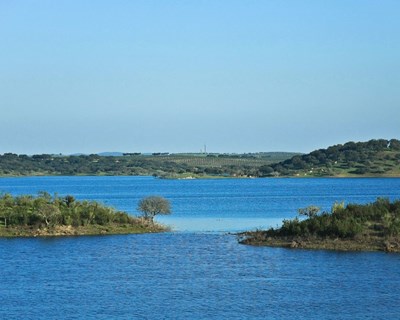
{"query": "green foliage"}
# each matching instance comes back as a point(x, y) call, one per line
point(345, 221)
point(266, 170)
point(373, 158)
point(159, 164)
point(47, 211)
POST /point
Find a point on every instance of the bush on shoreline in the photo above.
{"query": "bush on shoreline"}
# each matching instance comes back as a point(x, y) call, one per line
point(366, 225)
point(46, 211)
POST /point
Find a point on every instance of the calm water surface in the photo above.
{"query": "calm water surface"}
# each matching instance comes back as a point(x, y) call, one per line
point(213, 205)
point(197, 274)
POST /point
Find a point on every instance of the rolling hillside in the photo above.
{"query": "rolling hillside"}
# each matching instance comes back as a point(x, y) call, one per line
point(157, 164)
point(372, 158)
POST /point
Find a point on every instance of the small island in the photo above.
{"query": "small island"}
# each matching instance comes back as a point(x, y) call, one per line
point(46, 215)
point(369, 227)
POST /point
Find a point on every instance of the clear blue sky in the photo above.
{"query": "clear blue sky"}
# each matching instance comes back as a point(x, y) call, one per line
point(239, 76)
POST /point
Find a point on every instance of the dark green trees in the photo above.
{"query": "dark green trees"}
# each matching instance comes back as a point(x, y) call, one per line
point(374, 157)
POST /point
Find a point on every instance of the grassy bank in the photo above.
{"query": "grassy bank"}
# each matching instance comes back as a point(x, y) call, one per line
point(370, 227)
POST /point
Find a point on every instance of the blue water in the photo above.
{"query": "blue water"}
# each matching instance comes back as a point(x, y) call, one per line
point(213, 205)
point(196, 274)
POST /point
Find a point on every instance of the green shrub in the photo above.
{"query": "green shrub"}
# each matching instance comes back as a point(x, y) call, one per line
point(50, 211)
point(344, 222)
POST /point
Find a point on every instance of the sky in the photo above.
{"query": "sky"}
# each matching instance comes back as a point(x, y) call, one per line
point(173, 76)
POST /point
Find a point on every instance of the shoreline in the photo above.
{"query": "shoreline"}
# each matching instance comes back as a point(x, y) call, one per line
point(355, 227)
point(70, 231)
point(210, 177)
point(339, 245)
point(358, 244)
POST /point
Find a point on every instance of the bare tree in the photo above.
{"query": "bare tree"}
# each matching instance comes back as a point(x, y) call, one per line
point(153, 205)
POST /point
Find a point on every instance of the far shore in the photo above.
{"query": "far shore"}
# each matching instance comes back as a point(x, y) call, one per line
point(196, 177)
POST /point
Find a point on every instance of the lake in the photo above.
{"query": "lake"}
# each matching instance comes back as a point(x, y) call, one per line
point(199, 271)
point(214, 204)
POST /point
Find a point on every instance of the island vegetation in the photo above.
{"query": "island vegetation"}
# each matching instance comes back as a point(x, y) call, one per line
point(368, 227)
point(46, 215)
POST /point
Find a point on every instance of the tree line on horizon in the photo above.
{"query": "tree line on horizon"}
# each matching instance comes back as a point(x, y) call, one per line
point(136, 164)
point(374, 157)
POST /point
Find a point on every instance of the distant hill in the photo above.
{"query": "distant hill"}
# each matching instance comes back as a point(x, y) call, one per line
point(110, 154)
point(101, 154)
point(160, 164)
point(372, 158)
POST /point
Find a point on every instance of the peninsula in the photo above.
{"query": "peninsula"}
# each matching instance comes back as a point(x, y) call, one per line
point(46, 215)
point(370, 227)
